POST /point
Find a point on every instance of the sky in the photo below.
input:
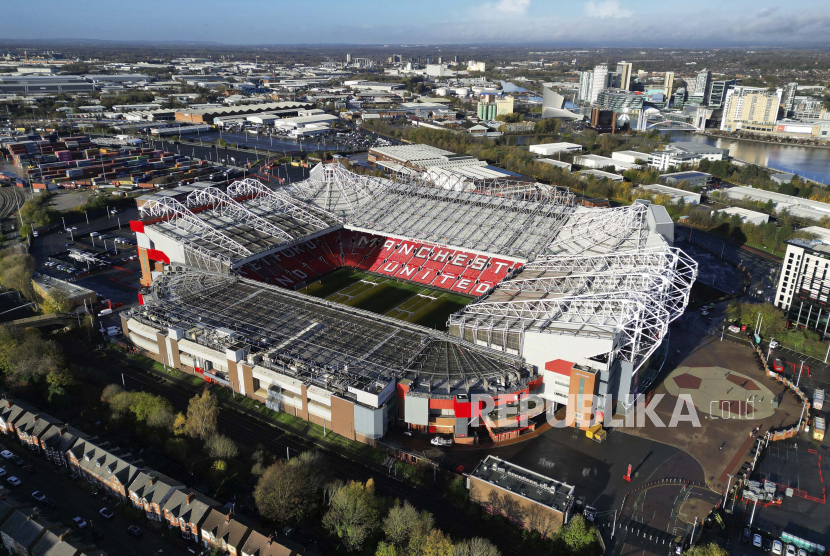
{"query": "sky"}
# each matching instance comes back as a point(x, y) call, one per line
point(681, 24)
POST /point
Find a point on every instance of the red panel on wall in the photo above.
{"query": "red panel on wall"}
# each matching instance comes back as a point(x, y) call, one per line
point(402, 390)
point(137, 226)
point(463, 410)
point(442, 404)
point(559, 366)
point(140, 299)
point(156, 255)
point(535, 383)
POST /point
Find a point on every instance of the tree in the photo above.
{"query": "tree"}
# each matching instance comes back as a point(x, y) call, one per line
point(403, 521)
point(280, 493)
point(58, 380)
point(179, 424)
point(578, 535)
point(476, 546)
point(220, 446)
point(710, 549)
point(352, 514)
point(110, 391)
point(386, 549)
point(202, 414)
point(436, 543)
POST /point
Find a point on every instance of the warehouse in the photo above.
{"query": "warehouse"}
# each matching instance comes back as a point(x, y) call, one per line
point(206, 115)
point(693, 179)
point(558, 163)
point(317, 121)
point(747, 216)
point(600, 175)
point(631, 157)
point(796, 206)
point(598, 162)
point(688, 197)
point(58, 291)
point(547, 149)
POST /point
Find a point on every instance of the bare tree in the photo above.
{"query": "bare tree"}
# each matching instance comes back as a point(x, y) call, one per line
point(220, 446)
point(202, 414)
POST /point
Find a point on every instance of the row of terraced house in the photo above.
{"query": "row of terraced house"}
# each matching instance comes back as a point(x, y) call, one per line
point(200, 519)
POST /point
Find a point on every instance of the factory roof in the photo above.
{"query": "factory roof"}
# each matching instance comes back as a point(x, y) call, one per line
point(672, 192)
point(49, 285)
point(696, 148)
point(528, 484)
point(796, 206)
point(245, 109)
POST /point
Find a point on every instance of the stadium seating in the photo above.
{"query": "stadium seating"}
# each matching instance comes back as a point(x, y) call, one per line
point(421, 263)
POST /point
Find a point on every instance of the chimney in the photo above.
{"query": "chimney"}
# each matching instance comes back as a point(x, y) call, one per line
point(65, 535)
point(63, 430)
point(228, 518)
point(35, 417)
point(190, 497)
point(270, 539)
point(153, 479)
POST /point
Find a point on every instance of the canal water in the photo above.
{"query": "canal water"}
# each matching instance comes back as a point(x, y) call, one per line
point(811, 163)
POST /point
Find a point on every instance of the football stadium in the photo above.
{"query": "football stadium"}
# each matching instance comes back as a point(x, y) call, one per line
point(362, 303)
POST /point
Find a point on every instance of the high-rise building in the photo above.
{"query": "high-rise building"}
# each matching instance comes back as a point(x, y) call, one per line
point(804, 282)
point(348, 58)
point(668, 83)
point(679, 99)
point(789, 97)
point(717, 92)
point(620, 101)
point(624, 69)
point(702, 83)
point(455, 59)
point(750, 109)
point(585, 78)
point(598, 82)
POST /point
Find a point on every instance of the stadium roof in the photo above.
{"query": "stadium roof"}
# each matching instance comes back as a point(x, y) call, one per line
point(324, 343)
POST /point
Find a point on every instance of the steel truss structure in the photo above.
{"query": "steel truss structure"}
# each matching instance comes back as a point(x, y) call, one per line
point(331, 345)
point(593, 231)
point(501, 216)
point(279, 201)
point(633, 295)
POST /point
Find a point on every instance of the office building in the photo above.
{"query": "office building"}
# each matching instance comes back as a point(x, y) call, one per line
point(585, 79)
point(668, 84)
point(598, 82)
point(718, 90)
point(624, 70)
point(685, 152)
point(620, 101)
point(750, 109)
point(804, 283)
point(807, 107)
point(788, 102)
point(702, 84)
point(348, 58)
point(692, 178)
point(747, 216)
point(603, 121)
point(679, 98)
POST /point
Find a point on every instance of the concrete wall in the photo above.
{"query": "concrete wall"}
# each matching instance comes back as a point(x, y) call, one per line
point(518, 509)
point(342, 417)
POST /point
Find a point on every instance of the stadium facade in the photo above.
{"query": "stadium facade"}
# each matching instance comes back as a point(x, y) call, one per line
point(567, 301)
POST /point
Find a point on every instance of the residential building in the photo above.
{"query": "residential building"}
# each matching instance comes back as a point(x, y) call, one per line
point(688, 197)
point(807, 107)
point(260, 545)
point(599, 81)
point(10, 412)
point(476, 66)
point(584, 90)
point(788, 100)
point(620, 101)
point(718, 90)
point(668, 83)
point(804, 284)
point(702, 84)
point(58, 542)
point(224, 531)
point(32, 426)
point(58, 440)
point(150, 491)
point(101, 464)
point(750, 109)
point(22, 530)
point(529, 499)
point(747, 216)
point(187, 511)
point(624, 71)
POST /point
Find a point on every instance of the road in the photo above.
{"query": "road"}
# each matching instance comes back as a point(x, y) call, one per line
point(74, 498)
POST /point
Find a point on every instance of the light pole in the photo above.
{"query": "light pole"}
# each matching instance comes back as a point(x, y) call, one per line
point(64, 223)
point(87, 218)
point(799, 374)
point(726, 492)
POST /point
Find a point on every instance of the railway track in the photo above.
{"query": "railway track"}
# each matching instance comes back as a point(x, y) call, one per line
point(10, 199)
point(251, 431)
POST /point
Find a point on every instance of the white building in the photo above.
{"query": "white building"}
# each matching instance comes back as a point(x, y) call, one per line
point(675, 194)
point(547, 149)
point(557, 163)
point(631, 156)
point(599, 81)
point(595, 162)
point(796, 206)
point(804, 283)
point(747, 216)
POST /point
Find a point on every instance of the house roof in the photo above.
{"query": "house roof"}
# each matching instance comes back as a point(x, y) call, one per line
point(62, 438)
point(34, 424)
point(25, 527)
point(190, 505)
point(152, 486)
point(106, 462)
point(11, 410)
point(224, 526)
point(57, 543)
point(260, 545)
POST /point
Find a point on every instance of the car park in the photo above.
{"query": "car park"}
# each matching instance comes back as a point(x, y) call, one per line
point(14, 481)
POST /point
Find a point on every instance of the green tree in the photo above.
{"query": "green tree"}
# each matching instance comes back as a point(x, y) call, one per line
point(59, 380)
point(579, 536)
point(709, 549)
point(202, 415)
point(353, 514)
point(476, 546)
point(110, 391)
point(387, 549)
point(280, 493)
point(403, 521)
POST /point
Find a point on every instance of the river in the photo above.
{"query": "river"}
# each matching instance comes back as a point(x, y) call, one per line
point(811, 163)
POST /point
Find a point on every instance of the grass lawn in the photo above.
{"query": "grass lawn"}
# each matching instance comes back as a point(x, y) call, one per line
point(333, 283)
point(436, 314)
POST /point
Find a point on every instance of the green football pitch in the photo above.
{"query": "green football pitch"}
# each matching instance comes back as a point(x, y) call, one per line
point(406, 301)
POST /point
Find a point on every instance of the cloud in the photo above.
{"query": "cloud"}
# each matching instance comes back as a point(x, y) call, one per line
point(609, 8)
point(513, 6)
point(766, 12)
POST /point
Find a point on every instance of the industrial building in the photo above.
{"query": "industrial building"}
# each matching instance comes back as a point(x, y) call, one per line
point(206, 115)
point(557, 163)
point(547, 149)
point(546, 499)
point(420, 157)
point(692, 178)
point(804, 283)
point(688, 197)
point(596, 161)
point(58, 290)
point(747, 216)
point(564, 295)
point(600, 175)
point(796, 206)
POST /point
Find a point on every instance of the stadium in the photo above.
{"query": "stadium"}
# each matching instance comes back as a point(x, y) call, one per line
point(361, 303)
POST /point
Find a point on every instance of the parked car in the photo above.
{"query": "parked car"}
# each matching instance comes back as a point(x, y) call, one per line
point(777, 548)
point(408, 433)
point(757, 541)
point(18, 460)
point(773, 344)
point(134, 530)
point(39, 496)
point(734, 329)
point(106, 512)
point(6, 454)
point(49, 502)
point(790, 550)
point(802, 552)
point(746, 535)
point(767, 545)
point(2, 471)
point(704, 312)
point(13, 481)
point(79, 522)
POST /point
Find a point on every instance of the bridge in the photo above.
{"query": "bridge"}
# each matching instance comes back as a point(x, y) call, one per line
point(41, 321)
point(671, 125)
